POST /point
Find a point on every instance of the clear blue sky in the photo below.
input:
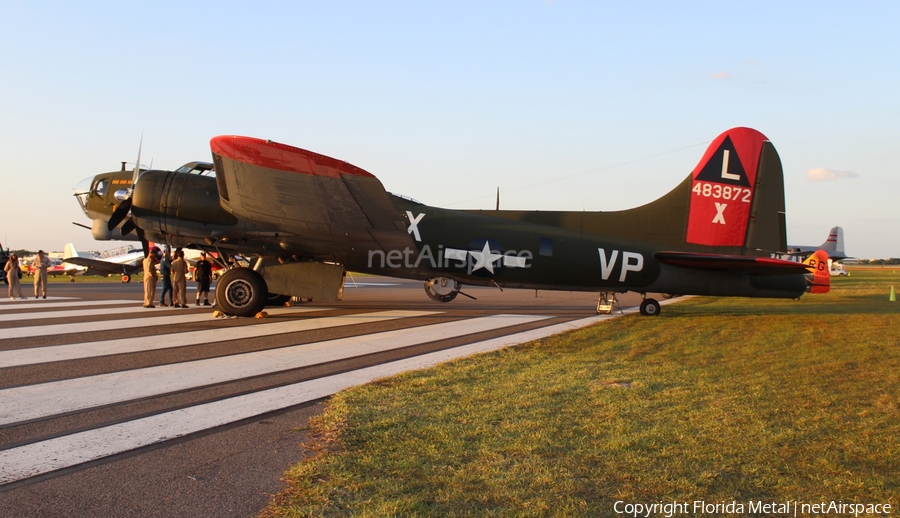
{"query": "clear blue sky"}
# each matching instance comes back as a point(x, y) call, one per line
point(604, 105)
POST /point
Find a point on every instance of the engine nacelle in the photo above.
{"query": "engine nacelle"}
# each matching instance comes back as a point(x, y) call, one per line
point(166, 201)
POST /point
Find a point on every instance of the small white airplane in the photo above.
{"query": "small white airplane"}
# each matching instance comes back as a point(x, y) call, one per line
point(125, 261)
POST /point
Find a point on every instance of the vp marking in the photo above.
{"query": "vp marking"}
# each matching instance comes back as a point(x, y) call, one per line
point(414, 224)
point(720, 213)
point(631, 262)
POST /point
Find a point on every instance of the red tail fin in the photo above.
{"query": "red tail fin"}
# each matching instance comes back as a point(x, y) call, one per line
point(820, 281)
point(723, 188)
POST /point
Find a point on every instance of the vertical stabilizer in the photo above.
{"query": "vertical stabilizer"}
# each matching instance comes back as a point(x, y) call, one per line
point(737, 195)
point(835, 241)
point(819, 281)
point(69, 251)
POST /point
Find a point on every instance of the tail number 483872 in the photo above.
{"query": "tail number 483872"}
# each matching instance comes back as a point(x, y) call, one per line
point(722, 192)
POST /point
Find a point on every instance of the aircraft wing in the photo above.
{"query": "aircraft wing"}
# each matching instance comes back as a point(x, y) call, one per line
point(324, 204)
point(98, 267)
point(65, 271)
point(742, 264)
point(806, 251)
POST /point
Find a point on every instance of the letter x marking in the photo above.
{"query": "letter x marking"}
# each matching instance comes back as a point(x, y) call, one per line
point(720, 213)
point(414, 224)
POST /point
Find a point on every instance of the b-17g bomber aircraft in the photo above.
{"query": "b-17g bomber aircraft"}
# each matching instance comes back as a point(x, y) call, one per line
point(304, 219)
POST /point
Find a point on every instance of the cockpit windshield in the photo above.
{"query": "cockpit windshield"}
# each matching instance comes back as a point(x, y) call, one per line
point(200, 168)
point(82, 191)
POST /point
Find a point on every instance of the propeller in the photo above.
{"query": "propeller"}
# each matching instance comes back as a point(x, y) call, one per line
point(124, 208)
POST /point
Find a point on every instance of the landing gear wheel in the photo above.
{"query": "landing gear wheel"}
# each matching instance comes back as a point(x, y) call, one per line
point(650, 308)
point(277, 299)
point(126, 279)
point(241, 292)
point(442, 289)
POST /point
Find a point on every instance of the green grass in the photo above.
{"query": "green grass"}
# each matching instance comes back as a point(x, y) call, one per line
point(715, 400)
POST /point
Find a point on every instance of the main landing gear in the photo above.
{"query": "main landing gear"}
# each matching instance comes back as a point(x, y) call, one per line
point(442, 289)
point(241, 292)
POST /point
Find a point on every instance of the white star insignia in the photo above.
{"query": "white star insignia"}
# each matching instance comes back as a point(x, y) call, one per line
point(485, 258)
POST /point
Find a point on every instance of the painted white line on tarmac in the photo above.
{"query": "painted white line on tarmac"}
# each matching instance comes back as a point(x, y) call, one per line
point(264, 327)
point(173, 316)
point(74, 313)
point(46, 399)
point(53, 305)
point(7, 301)
point(71, 450)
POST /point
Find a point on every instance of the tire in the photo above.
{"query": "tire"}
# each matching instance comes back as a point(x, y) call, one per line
point(650, 308)
point(126, 278)
point(276, 299)
point(442, 289)
point(241, 292)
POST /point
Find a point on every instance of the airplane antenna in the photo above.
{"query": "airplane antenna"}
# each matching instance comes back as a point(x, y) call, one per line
point(498, 199)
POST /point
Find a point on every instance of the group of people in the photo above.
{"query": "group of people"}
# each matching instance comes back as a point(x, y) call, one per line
point(14, 272)
point(174, 278)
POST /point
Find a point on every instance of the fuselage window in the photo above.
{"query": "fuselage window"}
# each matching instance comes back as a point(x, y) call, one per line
point(546, 246)
point(100, 187)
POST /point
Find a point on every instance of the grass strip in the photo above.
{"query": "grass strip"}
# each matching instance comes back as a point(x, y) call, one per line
point(715, 400)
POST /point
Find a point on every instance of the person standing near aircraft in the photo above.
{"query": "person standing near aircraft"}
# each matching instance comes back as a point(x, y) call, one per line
point(165, 271)
point(150, 276)
point(203, 276)
point(179, 280)
point(12, 277)
point(40, 265)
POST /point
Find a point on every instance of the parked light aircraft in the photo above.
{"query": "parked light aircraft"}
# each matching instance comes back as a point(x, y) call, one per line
point(306, 219)
point(124, 261)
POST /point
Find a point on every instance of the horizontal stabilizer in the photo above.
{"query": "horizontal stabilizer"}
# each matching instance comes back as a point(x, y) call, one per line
point(735, 263)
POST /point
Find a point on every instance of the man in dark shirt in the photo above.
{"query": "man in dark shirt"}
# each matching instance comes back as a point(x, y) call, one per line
point(203, 275)
point(165, 273)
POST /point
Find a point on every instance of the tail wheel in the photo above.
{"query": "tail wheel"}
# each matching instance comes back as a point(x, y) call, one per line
point(241, 292)
point(650, 308)
point(442, 289)
point(126, 278)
